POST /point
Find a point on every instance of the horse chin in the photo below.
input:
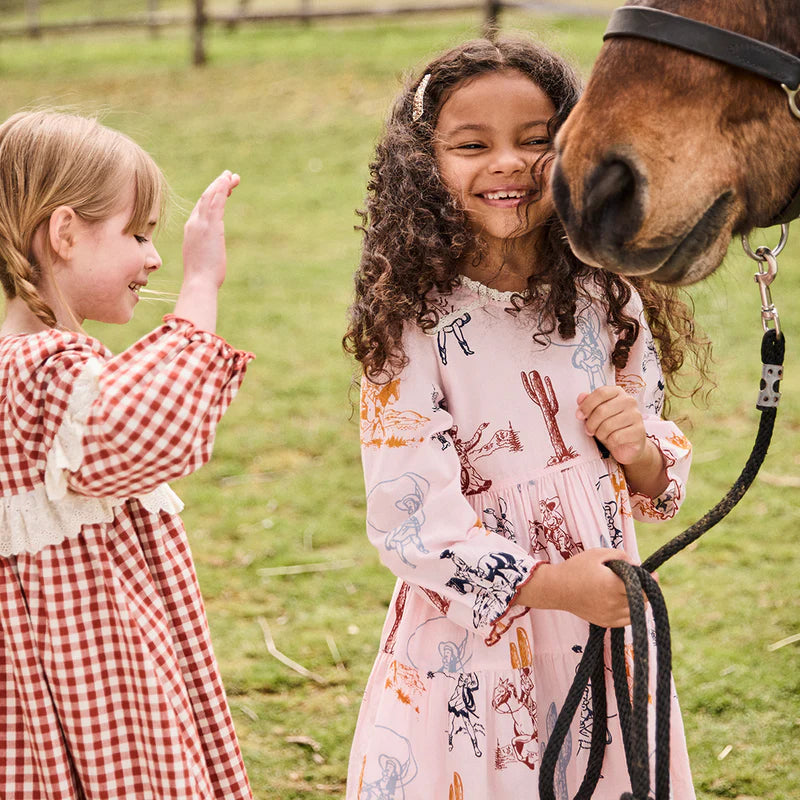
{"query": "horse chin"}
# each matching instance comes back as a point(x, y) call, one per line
point(685, 259)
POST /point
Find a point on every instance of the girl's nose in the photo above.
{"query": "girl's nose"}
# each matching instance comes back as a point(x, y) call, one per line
point(153, 261)
point(508, 161)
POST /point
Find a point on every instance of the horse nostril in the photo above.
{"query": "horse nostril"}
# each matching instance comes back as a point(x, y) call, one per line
point(613, 201)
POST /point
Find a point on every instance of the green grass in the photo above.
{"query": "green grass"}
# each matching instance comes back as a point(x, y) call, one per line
point(296, 110)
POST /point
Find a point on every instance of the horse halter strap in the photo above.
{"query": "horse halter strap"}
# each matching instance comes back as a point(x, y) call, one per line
point(719, 44)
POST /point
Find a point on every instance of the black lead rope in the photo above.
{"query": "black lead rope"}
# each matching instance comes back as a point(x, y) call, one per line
point(639, 583)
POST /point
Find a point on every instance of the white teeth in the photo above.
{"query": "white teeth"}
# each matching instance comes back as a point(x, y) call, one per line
point(134, 287)
point(510, 194)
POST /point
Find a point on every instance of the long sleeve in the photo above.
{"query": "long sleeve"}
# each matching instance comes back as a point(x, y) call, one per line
point(642, 378)
point(120, 426)
point(417, 517)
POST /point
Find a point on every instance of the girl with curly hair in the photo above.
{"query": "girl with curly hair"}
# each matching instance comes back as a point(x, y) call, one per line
point(511, 432)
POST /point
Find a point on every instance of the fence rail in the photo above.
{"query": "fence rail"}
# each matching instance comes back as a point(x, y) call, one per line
point(199, 17)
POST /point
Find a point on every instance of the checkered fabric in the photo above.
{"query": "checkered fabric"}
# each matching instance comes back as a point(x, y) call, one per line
point(109, 685)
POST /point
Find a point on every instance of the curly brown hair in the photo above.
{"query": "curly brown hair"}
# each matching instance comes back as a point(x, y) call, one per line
point(416, 238)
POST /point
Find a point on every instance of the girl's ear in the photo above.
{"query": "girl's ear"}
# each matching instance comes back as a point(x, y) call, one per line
point(61, 231)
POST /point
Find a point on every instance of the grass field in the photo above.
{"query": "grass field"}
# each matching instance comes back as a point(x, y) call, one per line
point(296, 110)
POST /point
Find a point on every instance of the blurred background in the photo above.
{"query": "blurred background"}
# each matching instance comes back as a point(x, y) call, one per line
point(292, 94)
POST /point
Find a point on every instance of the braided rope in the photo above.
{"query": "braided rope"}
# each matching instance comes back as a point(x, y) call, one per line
point(639, 583)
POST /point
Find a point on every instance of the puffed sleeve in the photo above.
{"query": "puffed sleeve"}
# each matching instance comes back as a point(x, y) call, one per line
point(642, 378)
point(120, 426)
point(423, 527)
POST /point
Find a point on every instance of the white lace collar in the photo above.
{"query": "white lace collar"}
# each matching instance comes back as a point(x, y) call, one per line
point(483, 290)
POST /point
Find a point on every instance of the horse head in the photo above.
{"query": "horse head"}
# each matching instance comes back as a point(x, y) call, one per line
point(669, 154)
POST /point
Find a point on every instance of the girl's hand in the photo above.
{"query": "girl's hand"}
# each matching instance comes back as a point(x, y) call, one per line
point(204, 233)
point(204, 260)
point(613, 416)
point(582, 585)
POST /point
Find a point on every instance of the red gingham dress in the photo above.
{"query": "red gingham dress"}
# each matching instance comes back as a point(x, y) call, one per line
point(108, 683)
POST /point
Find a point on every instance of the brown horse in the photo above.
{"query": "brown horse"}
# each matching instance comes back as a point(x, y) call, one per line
point(669, 154)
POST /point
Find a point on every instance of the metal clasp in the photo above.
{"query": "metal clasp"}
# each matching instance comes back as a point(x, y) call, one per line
point(764, 277)
point(767, 265)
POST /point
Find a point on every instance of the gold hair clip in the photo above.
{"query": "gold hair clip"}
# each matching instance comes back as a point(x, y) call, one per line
point(419, 97)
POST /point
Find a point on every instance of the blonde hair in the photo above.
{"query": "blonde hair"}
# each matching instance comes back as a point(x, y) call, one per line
point(50, 159)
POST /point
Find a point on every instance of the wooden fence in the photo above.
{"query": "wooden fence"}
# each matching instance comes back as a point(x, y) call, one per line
point(198, 16)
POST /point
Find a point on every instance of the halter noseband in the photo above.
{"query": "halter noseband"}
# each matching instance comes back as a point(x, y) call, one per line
point(719, 44)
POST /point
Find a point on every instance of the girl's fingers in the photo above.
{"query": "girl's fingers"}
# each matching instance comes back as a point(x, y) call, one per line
point(223, 187)
point(611, 418)
point(601, 394)
point(619, 411)
point(599, 400)
point(216, 193)
point(619, 430)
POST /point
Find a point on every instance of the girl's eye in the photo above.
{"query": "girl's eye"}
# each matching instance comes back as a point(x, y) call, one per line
point(470, 146)
point(538, 142)
point(140, 239)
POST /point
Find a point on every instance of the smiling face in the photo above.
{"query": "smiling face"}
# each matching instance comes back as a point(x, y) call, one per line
point(490, 133)
point(106, 267)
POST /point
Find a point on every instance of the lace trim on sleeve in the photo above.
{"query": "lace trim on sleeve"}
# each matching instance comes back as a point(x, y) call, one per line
point(51, 513)
point(32, 521)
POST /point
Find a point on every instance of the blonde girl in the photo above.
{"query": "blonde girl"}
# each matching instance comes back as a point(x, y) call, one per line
point(110, 686)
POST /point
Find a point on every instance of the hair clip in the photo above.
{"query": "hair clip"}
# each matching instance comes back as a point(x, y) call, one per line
point(419, 97)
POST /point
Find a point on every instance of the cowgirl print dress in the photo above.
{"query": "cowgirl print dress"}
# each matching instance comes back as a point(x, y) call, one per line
point(110, 688)
point(476, 469)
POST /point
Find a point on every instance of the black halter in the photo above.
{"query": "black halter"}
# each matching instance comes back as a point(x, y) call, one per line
point(707, 40)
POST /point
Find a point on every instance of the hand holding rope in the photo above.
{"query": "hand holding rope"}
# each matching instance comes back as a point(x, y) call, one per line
point(639, 583)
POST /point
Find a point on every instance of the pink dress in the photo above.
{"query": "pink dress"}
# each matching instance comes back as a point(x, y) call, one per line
point(476, 468)
point(110, 688)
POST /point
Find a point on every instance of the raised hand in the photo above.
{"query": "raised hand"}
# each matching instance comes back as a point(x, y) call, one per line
point(204, 255)
point(204, 233)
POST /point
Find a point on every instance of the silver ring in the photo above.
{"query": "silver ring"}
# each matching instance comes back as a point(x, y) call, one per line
point(757, 256)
